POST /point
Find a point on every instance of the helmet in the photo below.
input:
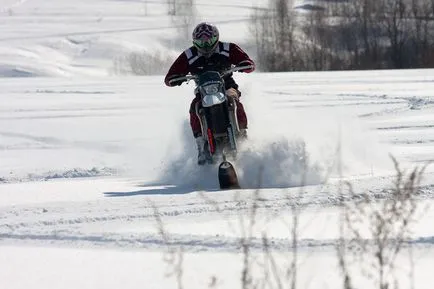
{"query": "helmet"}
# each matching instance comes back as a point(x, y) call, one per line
point(205, 38)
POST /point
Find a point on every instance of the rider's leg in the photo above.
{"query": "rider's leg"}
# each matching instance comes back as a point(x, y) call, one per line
point(194, 118)
point(197, 131)
point(241, 116)
point(241, 113)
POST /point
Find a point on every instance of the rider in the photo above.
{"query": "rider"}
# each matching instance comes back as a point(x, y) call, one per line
point(208, 53)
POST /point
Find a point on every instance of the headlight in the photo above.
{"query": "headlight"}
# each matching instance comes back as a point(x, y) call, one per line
point(211, 88)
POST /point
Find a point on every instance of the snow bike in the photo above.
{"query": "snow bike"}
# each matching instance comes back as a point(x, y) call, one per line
point(218, 118)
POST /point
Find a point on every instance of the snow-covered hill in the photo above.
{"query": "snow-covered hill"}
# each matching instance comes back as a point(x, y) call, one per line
point(60, 38)
point(86, 161)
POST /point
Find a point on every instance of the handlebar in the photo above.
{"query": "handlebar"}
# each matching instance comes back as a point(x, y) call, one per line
point(222, 74)
point(235, 69)
point(183, 78)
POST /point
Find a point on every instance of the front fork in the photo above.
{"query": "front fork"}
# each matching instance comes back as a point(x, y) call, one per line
point(232, 130)
point(206, 132)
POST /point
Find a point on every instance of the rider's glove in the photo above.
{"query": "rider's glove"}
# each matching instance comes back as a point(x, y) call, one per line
point(247, 63)
point(232, 93)
point(176, 82)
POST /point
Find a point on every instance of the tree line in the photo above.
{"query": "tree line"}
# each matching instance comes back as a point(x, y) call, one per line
point(344, 35)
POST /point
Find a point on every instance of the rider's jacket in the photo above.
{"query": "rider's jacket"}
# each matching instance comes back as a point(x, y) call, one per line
point(225, 55)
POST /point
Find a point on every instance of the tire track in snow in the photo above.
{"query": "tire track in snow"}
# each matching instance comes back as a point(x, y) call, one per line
point(402, 127)
point(279, 201)
point(73, 225)
point(52, 141)
point(188, 242)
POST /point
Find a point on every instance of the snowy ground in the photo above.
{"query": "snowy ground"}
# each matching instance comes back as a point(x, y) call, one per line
point(84, 160)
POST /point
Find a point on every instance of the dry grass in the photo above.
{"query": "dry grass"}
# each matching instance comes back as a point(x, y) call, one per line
point(373, 233)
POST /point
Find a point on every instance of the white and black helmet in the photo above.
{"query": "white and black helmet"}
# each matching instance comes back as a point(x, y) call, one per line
point(205, 38)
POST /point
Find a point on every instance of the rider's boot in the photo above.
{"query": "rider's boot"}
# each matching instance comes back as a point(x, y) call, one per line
point(201, 155)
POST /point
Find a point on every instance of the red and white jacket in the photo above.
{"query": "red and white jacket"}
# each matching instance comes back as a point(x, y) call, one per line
point(225, 55)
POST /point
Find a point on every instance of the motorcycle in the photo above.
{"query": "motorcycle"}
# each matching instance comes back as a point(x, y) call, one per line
point(218, 118)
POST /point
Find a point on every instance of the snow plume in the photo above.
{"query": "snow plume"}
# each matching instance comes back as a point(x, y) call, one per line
point(278, 163)
point(341, 142)
point(181, 169)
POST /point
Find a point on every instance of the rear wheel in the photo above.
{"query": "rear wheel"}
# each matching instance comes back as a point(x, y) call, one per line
point(228, 178)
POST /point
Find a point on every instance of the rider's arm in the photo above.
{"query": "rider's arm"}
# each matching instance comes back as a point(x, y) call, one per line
point(178, 68)
point(238, 57)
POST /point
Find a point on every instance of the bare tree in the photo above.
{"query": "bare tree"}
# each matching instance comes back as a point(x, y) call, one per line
point(171, 7)
point(184, 19)
point(396, 19)
point(274, 30)
point(356, 34)
point(317, 47)
point(422, 38)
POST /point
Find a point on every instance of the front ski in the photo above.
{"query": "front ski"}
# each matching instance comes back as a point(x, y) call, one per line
point(228, 176)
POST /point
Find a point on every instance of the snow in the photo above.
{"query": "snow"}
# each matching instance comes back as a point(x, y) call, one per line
point(87, 156)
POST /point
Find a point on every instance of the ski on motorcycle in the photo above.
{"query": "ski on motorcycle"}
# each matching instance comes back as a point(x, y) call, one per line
point(220, 129)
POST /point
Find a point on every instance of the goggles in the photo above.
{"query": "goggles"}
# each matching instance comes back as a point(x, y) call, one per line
point(202, 43)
